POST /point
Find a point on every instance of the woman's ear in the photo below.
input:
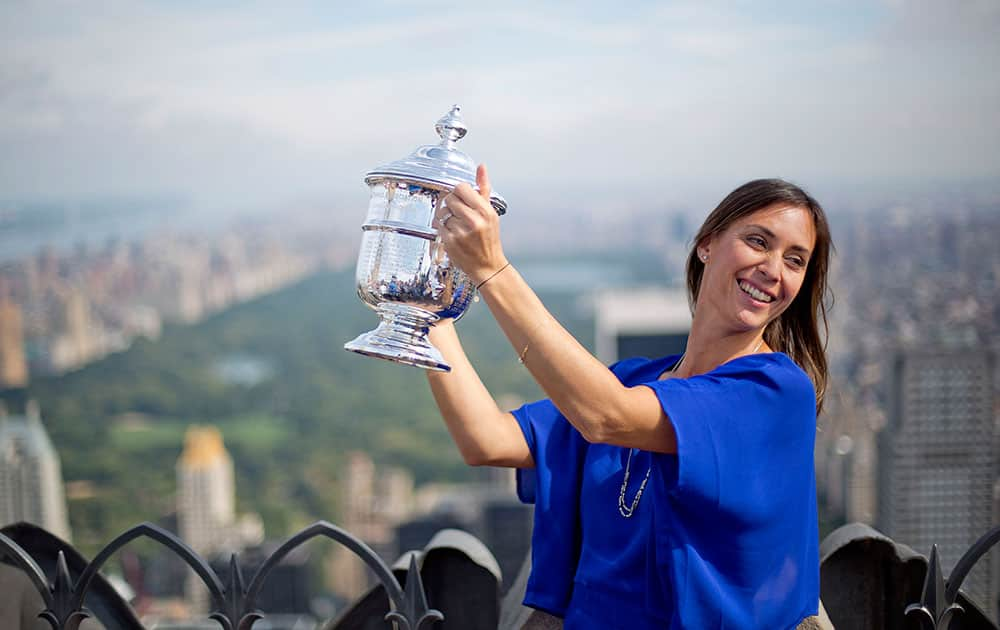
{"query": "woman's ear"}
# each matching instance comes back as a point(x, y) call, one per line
point(703, 250)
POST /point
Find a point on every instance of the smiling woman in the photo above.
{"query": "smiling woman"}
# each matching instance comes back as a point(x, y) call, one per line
point(674, 491)
point(784, 250)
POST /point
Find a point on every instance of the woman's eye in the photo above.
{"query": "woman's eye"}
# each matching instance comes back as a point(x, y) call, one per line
point(797, 262)
point(757, 241)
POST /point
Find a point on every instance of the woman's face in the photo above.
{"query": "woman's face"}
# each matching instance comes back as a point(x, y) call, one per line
point(756, 266)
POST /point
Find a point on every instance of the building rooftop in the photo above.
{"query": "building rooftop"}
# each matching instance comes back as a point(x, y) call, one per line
point(202, 447)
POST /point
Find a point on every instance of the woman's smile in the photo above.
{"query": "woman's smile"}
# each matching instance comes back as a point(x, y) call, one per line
point(755, 268)
point(756, 294)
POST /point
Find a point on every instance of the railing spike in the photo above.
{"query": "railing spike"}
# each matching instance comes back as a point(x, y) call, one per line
point(235, 587)
point(62, 589)
point(63, 614)
point(933, 592)
point(415, 611)
point(937, 607)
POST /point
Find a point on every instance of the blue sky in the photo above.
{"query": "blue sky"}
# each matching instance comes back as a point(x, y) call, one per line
point(270, 103)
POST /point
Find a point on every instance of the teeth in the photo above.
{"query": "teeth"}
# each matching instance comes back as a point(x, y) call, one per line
point(754, 293)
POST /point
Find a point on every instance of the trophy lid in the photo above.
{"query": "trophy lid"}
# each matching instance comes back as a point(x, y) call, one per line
point(437, 165)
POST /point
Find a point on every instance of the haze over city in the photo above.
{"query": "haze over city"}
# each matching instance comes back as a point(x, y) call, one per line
point(250, 105)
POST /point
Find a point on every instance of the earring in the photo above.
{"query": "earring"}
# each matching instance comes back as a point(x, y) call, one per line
point(704, 258)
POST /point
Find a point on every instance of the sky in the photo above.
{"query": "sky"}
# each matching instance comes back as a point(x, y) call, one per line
point(241, 104)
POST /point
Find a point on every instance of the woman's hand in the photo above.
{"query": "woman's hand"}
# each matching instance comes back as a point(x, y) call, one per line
point(587, 393)
point(470, 229)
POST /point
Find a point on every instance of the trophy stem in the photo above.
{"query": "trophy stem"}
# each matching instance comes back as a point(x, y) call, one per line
point(401, 336)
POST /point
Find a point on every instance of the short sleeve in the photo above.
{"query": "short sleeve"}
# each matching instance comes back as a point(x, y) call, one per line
point(741, 430)
point(552, 441)
point(553, 485)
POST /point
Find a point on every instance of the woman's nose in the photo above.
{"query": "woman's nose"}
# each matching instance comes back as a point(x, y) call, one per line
point(770, 267)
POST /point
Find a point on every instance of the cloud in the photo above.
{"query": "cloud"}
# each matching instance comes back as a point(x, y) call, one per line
point(266, 100)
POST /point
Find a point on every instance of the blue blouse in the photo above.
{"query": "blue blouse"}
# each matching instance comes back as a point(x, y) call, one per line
point(725, 534)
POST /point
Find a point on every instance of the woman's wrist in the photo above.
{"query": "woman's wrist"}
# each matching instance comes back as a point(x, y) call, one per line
point(491, 274)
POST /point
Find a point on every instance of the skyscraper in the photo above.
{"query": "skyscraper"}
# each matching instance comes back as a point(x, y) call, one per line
point(31, 484)
point(358, 516)
point(847, 455)
point(206, 497)
point(206, 506)
point(938, 461)
point(373, 502)
point(13, 362)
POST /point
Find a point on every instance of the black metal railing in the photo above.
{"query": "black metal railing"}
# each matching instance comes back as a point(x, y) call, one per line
point(938, 608)
point(234, 606)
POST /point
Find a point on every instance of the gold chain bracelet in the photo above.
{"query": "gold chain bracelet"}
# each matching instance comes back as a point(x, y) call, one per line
point(492, 275)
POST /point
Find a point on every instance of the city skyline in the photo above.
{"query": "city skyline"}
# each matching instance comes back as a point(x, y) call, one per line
point(253, 105)
point(904, 279)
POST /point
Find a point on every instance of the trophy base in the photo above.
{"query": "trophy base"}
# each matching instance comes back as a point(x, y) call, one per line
point(401, 337)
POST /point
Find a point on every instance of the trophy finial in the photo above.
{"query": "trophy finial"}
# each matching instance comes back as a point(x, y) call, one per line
point(440, 166)
point(450, 127)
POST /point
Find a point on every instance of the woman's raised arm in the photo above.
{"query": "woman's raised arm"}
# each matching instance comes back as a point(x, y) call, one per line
point(583, 389)
point(484, 434)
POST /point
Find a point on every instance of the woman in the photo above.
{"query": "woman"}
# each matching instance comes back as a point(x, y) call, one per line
point(675, 492)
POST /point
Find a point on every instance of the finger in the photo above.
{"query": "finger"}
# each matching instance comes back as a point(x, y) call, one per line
point(450, 204)
point(455, 206)
point(466, 194)
point(483, 181)
point(442, 210)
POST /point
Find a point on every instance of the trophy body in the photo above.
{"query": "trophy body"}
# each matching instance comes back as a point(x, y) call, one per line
point(403, 272)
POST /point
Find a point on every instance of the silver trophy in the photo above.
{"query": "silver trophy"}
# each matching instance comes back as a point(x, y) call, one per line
point(403, 271)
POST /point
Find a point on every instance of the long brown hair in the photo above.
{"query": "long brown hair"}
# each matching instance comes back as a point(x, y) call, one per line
point(796, 332)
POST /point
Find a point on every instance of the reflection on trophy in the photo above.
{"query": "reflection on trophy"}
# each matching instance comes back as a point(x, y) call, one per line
point(403, 271)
